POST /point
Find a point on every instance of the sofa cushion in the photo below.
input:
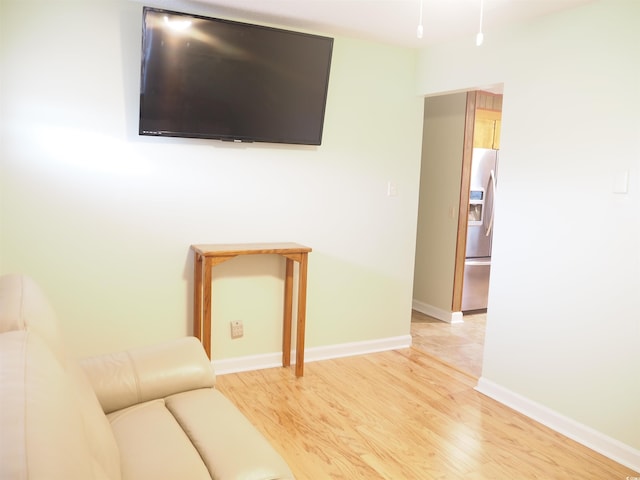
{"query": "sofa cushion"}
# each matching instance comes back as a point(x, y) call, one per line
point(41, 433)
point(153, 446)
point(229, 444)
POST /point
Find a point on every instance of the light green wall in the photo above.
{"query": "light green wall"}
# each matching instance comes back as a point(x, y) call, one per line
point(442, 145)
point(103, 218)
point(563, 327)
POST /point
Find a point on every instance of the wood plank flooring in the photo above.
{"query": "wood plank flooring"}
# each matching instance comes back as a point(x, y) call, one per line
point(402, 415)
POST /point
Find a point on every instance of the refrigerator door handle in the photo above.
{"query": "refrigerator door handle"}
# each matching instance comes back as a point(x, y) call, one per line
point(492, 176)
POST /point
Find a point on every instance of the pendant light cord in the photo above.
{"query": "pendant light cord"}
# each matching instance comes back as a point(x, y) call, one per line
point(420, 30)
point(480, 36)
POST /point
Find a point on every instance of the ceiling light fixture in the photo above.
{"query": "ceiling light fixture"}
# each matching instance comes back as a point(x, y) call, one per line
point(420, 30)
point(480, 36)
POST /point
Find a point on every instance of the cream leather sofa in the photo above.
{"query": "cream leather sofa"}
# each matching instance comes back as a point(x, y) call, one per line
point(150, 413)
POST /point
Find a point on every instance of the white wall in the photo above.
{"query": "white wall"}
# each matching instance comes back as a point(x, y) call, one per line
point(563, 325)
point(103, 218)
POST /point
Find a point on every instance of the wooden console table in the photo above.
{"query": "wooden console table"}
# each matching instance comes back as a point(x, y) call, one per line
point(208, 256)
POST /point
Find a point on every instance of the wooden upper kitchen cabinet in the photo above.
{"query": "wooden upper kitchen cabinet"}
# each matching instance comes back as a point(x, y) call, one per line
point(488, 121)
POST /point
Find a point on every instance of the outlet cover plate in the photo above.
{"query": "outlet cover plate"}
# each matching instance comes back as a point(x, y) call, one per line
point(237, 330)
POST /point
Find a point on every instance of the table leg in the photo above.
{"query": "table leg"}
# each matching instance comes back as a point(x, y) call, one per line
point(302, 308)
point(206, 294)
point(197, 296)
point(288, 309)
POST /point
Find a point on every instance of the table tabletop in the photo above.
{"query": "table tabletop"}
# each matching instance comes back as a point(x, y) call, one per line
point(214, 249)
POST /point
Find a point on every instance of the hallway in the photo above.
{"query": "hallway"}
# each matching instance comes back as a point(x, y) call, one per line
point(460, 344)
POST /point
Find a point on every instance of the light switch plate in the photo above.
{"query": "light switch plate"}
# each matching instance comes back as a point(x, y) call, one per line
point(621, 182)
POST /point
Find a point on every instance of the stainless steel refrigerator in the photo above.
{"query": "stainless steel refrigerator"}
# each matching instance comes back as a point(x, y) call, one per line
point(482, 194)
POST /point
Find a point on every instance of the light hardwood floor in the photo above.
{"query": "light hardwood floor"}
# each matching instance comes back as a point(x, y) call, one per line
point(402, 415)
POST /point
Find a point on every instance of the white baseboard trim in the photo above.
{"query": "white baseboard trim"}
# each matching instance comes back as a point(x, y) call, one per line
point(587, 436)
point(314, 354)
point(357, 348)
point(247, 363)
point(435, 312)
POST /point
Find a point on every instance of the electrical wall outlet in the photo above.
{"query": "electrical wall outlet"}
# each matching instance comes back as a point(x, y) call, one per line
point(237, 330)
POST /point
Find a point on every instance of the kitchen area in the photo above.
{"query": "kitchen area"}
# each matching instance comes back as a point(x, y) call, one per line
point(483, 184)
point(458, 191)
point(459, 185)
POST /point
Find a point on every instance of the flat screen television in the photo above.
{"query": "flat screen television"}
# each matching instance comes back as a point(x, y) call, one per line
point(211, 78)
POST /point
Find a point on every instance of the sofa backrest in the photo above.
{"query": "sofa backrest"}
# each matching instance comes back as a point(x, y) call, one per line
point(23, 306)
point(51, 424)
point(123, 379)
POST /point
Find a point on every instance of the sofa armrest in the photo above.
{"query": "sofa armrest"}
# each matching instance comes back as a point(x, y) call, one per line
point(138, 375)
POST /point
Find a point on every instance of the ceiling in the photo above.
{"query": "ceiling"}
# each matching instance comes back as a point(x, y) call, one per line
point(391, 21)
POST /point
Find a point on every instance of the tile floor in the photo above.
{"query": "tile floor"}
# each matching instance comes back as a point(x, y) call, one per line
point(459, 344)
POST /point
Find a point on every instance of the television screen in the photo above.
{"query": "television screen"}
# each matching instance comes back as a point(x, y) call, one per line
point(213, 78)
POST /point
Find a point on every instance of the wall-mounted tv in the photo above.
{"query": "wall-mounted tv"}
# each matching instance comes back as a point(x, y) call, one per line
point(211, 78)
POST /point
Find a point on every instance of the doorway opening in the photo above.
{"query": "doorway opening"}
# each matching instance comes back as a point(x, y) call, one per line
point(461, 140)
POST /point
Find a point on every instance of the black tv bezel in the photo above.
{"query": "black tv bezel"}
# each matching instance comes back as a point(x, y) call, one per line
point(317, 141)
